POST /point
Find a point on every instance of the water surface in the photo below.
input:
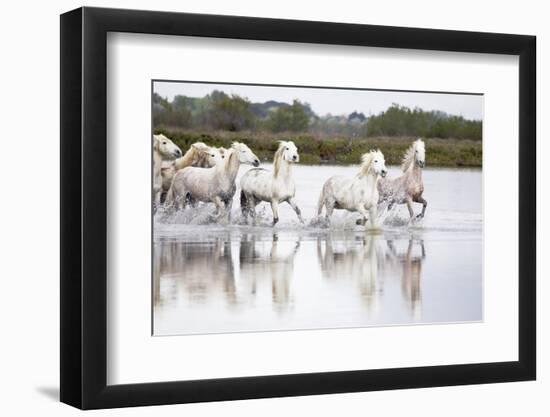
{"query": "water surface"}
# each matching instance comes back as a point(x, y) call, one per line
point(212, 278)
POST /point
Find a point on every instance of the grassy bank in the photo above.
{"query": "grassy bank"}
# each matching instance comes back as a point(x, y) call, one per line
point(337, 150)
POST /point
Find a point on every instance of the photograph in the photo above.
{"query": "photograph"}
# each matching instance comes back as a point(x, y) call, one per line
point(279, 208)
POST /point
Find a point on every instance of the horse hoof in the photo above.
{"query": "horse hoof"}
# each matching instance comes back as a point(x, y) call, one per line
point(275, 221)
point(360, 222)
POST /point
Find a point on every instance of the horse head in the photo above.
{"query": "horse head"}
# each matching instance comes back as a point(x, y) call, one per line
point(373, 161)
point(165, 147)
point(215, 157)
point(244, 154)
point(288, 151)
point(200, 154)
point(419, 153)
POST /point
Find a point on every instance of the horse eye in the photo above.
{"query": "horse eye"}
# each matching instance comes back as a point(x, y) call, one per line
point(164, 143)
point(286, 149)
point(212, 156)
point(223, 156)
point(375, 161)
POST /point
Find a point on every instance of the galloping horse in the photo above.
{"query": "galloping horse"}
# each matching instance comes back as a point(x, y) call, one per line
point(212, 185)
point(274, 187)
point(198, 155)
point(408, 187)
point(355, 194)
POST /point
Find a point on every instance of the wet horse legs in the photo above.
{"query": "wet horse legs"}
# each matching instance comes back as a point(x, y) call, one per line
point(424, 203)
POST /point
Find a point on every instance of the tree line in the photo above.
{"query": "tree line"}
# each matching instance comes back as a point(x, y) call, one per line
point(233, 113)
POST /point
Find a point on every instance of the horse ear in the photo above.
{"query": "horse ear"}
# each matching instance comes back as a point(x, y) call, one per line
point(156, 142)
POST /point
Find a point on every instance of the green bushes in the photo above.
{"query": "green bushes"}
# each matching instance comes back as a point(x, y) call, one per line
point(219, 119)
point(402, 121)
point(317, 149)
point(292, 118)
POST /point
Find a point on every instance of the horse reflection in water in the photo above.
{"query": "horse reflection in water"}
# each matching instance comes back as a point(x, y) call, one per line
point(356, 260)
point(194, 273)
point(206, 271)
point(259, 281)
point(369, 262)
point(409, 266)
point(269, 262)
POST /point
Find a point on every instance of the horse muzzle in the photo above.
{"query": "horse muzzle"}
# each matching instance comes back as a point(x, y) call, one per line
point(421, 164)
point(383, 173)
point(256, 163)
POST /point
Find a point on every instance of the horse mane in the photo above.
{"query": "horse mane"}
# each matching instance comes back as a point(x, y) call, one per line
point(231, 154)
point(408, 158)
point(366, 161)
point(156, 139)
point(278, 158)
point(196, 155)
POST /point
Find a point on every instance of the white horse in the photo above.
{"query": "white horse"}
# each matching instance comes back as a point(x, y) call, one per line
point(274, 187)
point(198, 155)
point(355, 194)
point(163, 150)
point(408, 187)
point(212, 185)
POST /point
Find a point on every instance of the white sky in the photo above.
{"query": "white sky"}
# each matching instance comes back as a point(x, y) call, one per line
point(332, 101)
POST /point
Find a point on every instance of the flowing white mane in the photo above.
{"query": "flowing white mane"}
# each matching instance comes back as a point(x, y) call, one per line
point(277, 158)
point(230, 155)
point(408, 158)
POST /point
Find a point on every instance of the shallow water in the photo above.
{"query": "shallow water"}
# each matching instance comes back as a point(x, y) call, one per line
point(212, 278)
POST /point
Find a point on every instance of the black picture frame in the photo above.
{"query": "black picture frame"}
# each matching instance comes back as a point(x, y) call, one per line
point(84, 207)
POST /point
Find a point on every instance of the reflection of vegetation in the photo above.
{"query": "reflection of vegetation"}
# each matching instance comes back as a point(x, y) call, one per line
point(219, 118)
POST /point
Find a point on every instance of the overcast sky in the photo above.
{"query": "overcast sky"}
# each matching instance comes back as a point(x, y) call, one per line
point(332, 101)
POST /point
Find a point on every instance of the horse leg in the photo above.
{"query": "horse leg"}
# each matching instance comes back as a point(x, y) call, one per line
point(363, 211)
point(275, 209)
point(408, 201)
point(295, 207)
point(372, 216)
point(157, 199)
point(178, 201)
point(424, 203)
point(228, 207)
point(329, 208)
point(252, 209)
point(245, 205)
point(190, 200)
point(220, 207)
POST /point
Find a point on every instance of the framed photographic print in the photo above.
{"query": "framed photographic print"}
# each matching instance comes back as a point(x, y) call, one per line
point(257, 208)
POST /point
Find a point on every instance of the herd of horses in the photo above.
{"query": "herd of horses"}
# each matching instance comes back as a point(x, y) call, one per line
point(208, 174)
